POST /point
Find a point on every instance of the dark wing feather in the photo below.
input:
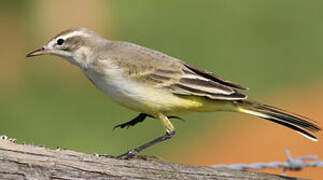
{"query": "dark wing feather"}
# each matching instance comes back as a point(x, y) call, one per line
point(197, 82)
point(213, 77)
point(194, 81)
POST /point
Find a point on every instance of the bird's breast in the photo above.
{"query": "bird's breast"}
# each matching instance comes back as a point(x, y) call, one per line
point(120, 89)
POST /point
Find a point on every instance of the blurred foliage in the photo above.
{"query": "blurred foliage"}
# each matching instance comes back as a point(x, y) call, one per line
point(268, 46)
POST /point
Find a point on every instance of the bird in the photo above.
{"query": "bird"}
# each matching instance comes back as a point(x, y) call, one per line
point(157, 85)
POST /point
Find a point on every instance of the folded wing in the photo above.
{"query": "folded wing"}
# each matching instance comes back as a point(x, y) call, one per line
point(163, 71)
point(194, 81)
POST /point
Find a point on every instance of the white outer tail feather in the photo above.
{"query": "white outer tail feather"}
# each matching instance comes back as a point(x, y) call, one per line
point(267, 116)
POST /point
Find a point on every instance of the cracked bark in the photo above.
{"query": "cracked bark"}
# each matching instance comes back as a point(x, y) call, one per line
point(33, 162)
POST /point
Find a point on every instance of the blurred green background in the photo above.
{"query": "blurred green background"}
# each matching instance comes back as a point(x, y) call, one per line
point(268, 46)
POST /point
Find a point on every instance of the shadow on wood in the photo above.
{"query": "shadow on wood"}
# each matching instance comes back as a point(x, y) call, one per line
point(33, 162)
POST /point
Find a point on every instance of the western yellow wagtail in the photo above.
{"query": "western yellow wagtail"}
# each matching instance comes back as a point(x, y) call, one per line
point(158, 85)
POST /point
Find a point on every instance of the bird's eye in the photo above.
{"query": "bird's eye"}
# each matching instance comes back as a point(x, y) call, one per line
point(60, 41)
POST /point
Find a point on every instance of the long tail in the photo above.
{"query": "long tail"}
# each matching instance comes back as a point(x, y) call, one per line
point(298, 123)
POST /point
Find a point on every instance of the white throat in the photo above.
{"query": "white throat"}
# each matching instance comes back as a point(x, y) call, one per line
point(80, 57)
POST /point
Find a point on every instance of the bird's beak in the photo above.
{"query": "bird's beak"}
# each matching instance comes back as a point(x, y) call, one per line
point(37, 52)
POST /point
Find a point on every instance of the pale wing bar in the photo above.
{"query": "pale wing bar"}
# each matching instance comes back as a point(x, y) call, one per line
point(206, 85)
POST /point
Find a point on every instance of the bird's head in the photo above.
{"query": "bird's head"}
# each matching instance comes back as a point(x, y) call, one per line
point(75, 45)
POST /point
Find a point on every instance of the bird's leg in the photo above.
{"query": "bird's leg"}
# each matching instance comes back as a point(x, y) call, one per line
point(170, 132)
point(141, 117)
point(130, 154)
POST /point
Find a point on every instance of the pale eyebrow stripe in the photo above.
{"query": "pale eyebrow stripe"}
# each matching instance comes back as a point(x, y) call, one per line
point(73, 34)
point(70, 33)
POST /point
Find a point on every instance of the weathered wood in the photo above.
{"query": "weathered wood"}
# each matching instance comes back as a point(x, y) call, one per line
point(33, 162)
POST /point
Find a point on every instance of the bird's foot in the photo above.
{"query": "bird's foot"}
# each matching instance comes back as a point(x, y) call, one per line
point(128, 155)
point(141, 117)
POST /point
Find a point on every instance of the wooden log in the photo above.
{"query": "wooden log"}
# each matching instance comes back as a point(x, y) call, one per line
point(37, 163)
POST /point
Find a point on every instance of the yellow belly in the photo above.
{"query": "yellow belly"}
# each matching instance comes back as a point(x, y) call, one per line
point(156, 101)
